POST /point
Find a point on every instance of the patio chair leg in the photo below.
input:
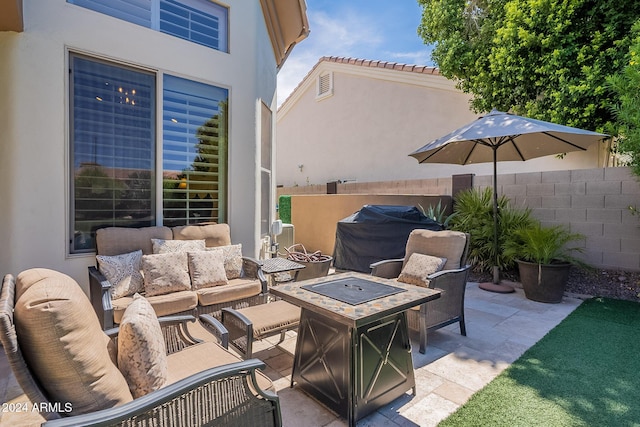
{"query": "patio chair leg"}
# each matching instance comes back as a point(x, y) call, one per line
point(463, 328)
point(423, 338)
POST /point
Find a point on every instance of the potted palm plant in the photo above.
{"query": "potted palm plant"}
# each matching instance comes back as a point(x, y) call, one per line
point(544, 256)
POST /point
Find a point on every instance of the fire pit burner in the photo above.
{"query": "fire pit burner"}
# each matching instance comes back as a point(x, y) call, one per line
point(353, 290)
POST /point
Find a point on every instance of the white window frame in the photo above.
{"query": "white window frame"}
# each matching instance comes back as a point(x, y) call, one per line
point(158, 142)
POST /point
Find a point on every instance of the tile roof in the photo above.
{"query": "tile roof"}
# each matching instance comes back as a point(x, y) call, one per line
point(422, 69)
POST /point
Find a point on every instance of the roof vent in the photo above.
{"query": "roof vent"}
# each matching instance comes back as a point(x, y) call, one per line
point(324, 86)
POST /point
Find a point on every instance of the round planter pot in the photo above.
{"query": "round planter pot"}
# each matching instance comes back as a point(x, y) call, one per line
point(544, 282)
point(313, 269)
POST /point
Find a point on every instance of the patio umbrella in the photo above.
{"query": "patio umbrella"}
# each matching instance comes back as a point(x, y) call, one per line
point(502, 136)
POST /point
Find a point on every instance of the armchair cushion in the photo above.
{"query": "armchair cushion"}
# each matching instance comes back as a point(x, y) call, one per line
point(123, 272)
point(164, 305)
point(62, 341)
point(447, 244)
point(207, 269)
point(213, 234)
point(419, 267)
point(142, 353)
point(161, 246)
point(166, 273)
point(202, 356)
point(232, 259)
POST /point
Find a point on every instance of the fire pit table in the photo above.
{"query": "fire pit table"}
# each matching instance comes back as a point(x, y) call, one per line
point(353, 352)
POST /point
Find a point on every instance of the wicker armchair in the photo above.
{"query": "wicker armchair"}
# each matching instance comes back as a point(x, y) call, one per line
point(225, 395)
point(452, 280)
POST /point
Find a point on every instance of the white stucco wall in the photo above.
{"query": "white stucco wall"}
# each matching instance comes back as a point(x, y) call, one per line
point(375, 118)
point(34, 119)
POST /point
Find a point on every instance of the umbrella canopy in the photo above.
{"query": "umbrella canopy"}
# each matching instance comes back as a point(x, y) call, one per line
point(502, 136)
point(508, 137)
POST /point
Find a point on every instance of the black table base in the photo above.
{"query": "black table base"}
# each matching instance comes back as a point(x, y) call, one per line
point(353, 371)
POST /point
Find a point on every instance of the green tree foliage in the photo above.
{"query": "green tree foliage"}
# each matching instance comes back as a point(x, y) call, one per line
point(546, 59)
point(627, 85)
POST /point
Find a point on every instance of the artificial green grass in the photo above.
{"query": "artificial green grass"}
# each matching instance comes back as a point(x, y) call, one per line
point(584, 372)
point(284, 209)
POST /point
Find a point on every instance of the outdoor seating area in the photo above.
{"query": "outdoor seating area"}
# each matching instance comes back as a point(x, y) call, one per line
point(198, 234)
point(500, 327)
point(328, 351)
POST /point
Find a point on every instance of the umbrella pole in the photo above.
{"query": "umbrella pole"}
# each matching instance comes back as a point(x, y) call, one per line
point(496, 286)
point(496, 269)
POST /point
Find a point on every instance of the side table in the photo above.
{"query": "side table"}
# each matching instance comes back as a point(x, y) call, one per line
point(272, 266)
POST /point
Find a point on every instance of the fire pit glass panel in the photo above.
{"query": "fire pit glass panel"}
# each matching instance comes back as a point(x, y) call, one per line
point(352, 290)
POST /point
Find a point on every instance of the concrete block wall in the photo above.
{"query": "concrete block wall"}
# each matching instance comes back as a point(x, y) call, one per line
point(594, 202)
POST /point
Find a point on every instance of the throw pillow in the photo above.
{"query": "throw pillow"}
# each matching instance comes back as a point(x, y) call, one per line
point(123, 272)
point(165, 273)
point(142, 352)
point(232, 259)
point(161, 246)
point(419, 267)
point(207, 269)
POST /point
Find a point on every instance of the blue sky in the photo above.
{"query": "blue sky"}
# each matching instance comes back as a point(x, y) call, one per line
point(368, 29)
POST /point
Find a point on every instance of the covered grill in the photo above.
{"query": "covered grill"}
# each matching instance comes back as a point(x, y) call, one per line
point(374, 233)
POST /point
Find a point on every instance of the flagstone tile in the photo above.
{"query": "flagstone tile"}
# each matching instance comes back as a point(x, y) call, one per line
point(429, 411)
point(302, 411)
point(468, 367)
point(453, 392)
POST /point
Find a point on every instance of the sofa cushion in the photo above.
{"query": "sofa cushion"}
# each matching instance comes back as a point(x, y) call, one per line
point(163, 305)
point(232, 259)
point(213, 234)
point(447, 244)
point(62, 341)
point(207, 269)
point(122, 240)
point(142, 353)
point(420, 266)
point(236, 289)
point(123, 272)
point(165, 273)
point(162, 246)
point(199, 357)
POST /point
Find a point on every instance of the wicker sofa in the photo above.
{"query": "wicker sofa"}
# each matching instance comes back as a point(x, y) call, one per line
point(248, 287)
point(74, 373)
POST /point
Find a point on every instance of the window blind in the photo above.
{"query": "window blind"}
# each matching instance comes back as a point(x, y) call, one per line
point(135, 11)
point(112, 140)
point(194, 126)
point(199, 21)
point(202, 22)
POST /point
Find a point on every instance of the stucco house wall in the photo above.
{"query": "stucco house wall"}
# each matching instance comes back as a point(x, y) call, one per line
point(34, 109)
point(376, 114)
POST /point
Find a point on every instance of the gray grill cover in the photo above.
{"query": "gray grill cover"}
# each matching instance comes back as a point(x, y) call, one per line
point(374, 233)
